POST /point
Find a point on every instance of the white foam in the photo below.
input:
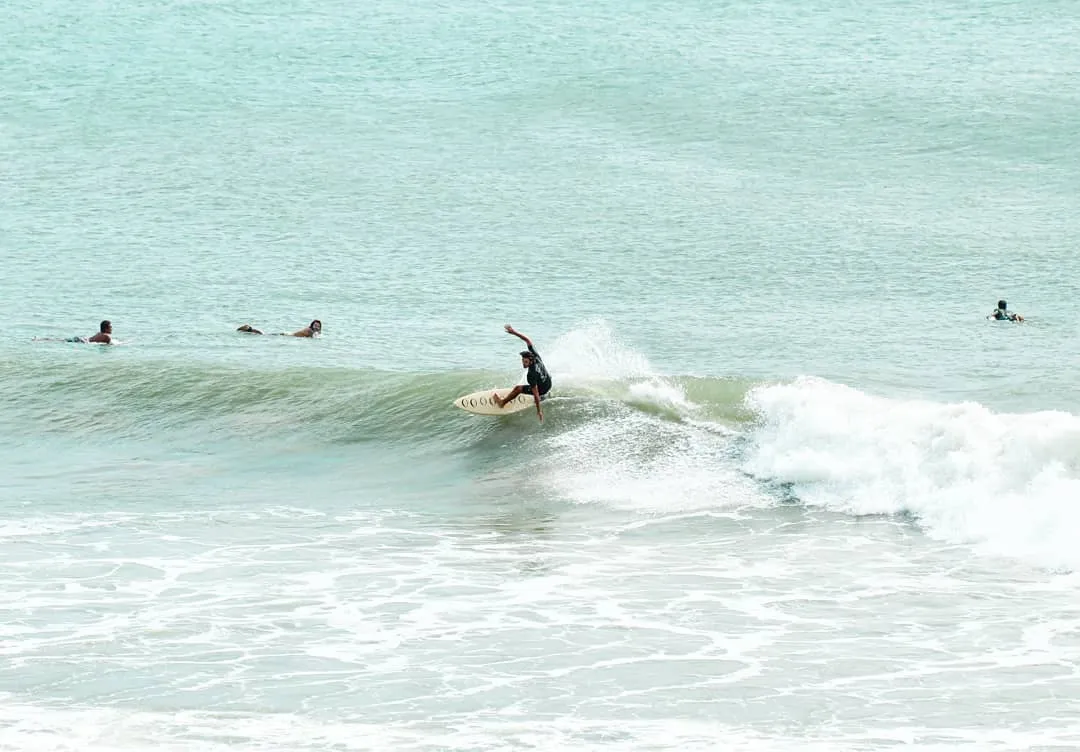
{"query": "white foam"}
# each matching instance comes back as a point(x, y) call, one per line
point(593, 353)
point(88, 729)
point(592, 359)
point(36, 526)
point(1007, 482)
point(660, 392)
point(633, 460)
point(380, 630)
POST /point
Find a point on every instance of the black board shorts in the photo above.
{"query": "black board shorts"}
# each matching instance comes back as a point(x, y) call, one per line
point(544, 389)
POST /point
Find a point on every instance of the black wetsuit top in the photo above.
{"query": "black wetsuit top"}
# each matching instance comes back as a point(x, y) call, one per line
point(538, 375)
point(1003, 315)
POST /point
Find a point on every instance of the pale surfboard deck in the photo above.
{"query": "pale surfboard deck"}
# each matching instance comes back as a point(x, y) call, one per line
point(479, 403)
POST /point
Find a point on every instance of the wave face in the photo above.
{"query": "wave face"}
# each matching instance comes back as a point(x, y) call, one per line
point(618, 433)
point(144, 398)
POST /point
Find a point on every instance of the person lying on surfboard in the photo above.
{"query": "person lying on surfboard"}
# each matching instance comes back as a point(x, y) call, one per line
point(103, 336)
point(308, 331)
point(537, 379)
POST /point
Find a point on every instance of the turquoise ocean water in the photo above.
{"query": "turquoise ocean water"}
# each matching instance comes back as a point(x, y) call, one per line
point(794, 491)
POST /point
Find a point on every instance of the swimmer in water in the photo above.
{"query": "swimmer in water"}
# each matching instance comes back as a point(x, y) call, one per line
point(312, 329)
point(1002, 313)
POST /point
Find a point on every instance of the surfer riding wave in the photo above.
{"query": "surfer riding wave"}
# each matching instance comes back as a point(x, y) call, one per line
point(537, 379)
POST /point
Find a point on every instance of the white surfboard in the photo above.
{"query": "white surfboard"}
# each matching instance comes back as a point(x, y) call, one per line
point(480, 403)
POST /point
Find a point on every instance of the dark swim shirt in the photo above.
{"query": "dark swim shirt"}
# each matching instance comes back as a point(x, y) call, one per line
point(537, 374)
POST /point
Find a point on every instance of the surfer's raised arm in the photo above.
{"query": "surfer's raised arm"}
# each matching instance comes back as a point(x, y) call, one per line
point(511, 330)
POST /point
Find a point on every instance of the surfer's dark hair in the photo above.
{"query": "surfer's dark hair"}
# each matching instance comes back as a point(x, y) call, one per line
point(104, 325)
point(1002, 304)
point(527, 354)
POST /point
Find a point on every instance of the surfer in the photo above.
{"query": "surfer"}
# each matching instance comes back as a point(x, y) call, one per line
point(1002, 313)
point(537, 379)
point(315, 327)
point(103, 336)
point(308, 331)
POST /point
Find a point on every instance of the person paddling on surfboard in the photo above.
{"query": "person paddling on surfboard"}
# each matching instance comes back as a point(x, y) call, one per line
point(103, 336)
point(537, 379)
point(311, 330)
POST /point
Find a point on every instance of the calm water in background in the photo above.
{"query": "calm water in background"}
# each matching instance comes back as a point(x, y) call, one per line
point(797, 493)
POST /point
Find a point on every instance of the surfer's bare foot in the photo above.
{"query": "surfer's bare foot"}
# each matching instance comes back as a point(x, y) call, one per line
point(495, 398)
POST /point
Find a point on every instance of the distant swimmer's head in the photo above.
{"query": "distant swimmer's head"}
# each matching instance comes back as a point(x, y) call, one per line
point(1002, 305)
point(106, 327)
point(315, 326)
